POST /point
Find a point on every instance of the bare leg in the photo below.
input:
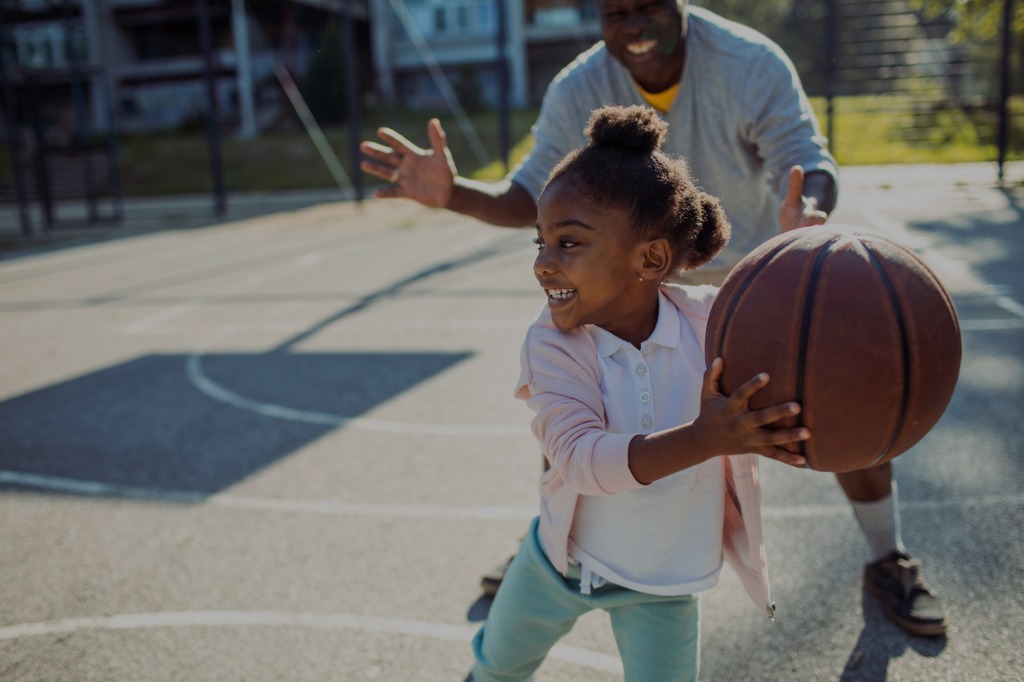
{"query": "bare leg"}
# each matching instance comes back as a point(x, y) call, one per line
point(892, 575)
point(867, 485)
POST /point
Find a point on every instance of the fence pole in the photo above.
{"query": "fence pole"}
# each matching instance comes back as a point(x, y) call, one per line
point(351, 58)
point(502, 63)
point(39, 136)
point(14, 141)
point(212, 124)
point(831, 73)
point(1004, 88)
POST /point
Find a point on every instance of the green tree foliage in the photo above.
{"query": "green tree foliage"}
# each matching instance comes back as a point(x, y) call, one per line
point(972, 20)
point(977, 27)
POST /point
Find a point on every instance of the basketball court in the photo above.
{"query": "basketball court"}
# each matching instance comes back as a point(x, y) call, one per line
point(285, 448)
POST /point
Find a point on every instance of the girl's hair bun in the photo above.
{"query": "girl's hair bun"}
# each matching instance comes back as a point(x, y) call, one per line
point(637, 129)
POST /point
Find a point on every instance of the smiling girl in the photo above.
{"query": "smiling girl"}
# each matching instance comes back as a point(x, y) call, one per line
point(651, 481)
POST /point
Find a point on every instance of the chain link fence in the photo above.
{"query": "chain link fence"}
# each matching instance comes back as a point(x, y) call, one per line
point(903, 80)
point(893, 81)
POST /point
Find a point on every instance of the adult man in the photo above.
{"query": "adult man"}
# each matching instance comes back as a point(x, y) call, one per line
point(738, 114)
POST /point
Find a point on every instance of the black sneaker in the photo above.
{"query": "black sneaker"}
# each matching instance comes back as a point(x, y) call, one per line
point(907, 597)
point(492, 581)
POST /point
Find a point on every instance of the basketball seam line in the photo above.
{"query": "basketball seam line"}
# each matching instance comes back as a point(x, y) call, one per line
point(727, 318)
point(904, 349)
point(805, 333)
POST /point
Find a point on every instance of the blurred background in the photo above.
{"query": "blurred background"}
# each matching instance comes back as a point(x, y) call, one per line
point(105, 100)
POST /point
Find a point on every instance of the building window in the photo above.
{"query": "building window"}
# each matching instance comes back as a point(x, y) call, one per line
point(41, 45)
point(451, 17)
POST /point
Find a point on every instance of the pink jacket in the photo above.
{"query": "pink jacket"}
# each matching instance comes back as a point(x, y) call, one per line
point(561, 381)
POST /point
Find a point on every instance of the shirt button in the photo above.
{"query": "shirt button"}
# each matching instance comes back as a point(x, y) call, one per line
point(645, 396)
point(641, 370)
point(647, 422)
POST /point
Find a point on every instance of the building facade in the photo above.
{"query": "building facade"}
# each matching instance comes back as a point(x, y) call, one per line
point(140, 64)
point(416, 41)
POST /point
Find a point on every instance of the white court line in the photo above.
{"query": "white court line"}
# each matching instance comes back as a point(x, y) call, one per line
point(198, 378)
point(1009, 305)
point(449, 512)
point(75, 486)
point(951, 268)
point(338, 508)
point(319, 621)
point(156, 319)
point(991, 325)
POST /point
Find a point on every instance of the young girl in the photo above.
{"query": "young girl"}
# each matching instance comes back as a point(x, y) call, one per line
point(648, 486)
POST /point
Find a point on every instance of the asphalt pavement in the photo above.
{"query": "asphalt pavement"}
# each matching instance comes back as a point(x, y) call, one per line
point(281, 445)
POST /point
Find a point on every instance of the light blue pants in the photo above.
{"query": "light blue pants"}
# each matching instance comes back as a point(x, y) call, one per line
point(658, 637)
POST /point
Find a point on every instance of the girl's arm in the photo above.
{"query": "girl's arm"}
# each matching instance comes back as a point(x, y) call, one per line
point(725, 426)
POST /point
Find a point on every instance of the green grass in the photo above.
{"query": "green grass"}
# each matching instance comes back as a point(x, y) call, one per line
point(894, 129)
point(868, 130)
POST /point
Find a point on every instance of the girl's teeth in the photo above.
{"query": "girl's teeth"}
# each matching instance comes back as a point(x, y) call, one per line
point(561, 293)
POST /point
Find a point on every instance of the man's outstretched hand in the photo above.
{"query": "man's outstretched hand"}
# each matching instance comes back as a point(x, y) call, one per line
point(423, 175)
point(798, 210)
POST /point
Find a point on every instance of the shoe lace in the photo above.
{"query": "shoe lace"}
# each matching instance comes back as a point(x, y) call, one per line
point(909, 571)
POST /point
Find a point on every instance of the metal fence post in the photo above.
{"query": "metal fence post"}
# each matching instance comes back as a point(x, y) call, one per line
point(212, 124)
point(502, 63)
point(831, 73)
point(13, 141)
point(350, 58)
point(1004, 87)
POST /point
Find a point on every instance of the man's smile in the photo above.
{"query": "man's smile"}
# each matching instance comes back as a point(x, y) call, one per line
point(641, 47)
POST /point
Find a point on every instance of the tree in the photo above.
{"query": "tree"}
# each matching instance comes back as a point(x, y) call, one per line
point(972, 20)
point(977, 28)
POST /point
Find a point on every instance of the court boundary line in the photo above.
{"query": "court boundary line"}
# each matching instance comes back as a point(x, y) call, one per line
point(320, 621)
point(423, 511)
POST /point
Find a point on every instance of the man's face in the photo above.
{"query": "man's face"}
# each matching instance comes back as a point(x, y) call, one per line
point(646, 36)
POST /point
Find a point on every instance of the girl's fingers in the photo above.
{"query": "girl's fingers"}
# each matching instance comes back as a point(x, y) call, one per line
point(783, 436)
point(746, 391)
point(712, 376)
point(768, 415)
point(786, 457)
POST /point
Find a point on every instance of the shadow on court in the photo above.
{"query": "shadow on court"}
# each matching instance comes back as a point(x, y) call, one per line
point(144, 428)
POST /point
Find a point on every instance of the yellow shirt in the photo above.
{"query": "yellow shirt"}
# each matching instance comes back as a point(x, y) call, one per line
point(662, 101)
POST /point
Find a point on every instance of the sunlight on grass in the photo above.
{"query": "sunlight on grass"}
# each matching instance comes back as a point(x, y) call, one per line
point(867, 130)
point(900, 129)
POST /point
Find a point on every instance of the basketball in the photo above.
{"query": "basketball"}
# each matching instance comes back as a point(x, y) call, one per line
point(850, 324)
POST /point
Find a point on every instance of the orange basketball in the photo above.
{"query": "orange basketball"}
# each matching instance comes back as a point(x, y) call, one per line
point(850, 324)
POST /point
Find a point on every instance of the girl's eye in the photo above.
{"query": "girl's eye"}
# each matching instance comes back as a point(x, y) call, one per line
point(564, 243)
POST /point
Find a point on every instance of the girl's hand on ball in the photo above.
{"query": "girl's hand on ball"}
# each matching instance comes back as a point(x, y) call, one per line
point(732, 428)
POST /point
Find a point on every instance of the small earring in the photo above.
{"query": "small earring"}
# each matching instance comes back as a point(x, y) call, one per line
point(642, 274)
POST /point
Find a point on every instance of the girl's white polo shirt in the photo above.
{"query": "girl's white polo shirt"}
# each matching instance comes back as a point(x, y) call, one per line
point(664, 538)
